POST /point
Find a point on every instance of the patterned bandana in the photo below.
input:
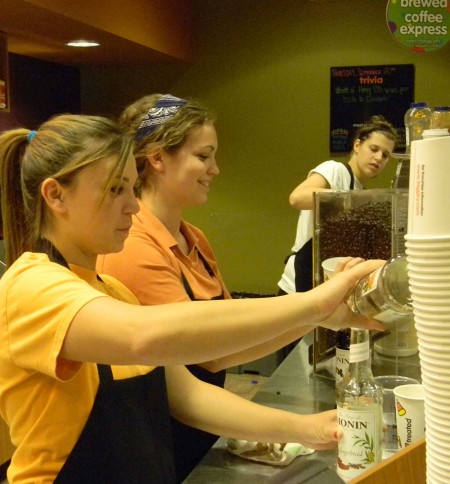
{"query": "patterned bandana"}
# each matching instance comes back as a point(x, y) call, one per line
point(162, 111)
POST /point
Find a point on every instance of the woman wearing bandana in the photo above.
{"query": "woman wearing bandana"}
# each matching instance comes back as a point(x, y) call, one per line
point(165, 259)
point(87, 375)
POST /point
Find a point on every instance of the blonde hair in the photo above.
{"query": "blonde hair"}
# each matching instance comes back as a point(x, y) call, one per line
point(169, 136)
point(59, 149)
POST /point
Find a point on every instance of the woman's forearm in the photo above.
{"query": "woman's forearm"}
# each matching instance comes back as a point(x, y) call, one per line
point(109, 331)
point(198, 404)
point(256, 352)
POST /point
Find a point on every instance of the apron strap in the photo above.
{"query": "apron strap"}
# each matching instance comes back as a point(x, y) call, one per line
point(209, 270)
point(352, 176)
point(45, 246)
point(105, 373)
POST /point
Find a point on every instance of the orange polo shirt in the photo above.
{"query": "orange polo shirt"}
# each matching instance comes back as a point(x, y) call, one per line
point(151, 263)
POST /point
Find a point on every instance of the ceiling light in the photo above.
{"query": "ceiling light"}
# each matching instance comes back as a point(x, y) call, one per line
point(82, 43)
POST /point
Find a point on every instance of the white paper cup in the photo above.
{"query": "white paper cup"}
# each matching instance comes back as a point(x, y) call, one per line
point(424, 332)
point(428, 187)
point(437, 476)
point(428, 270)
point(429, 286)
point(439, 454)
point(436, 353)
point(441, 459)
point(432, 293)
point(440, 389)
point(438, 348)
point(428, 262)
point(439, 402)
point(417, 239)
point(425, 277)
point(422, 240)
point(426, 303)
point(428, 252)
point(436, 434)
point(434, 422)
point(431, 307)
point(433, 339)
point(434, 380)
point(429, 365)
point(329, 266)
point(409, 414)
point(436, 327)
point(416, 253)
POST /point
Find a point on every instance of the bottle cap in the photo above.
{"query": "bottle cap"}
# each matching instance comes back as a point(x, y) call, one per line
point(419, 105)
point(434, 133)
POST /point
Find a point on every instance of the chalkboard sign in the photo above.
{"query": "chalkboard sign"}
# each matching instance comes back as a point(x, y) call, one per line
point(359, 92)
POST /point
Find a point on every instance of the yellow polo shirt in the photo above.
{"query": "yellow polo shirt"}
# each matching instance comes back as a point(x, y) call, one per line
point(46, 401)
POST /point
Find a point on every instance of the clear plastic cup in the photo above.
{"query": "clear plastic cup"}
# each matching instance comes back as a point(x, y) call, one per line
point(389, 382)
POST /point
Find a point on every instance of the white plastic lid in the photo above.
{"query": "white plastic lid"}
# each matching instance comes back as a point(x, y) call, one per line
point(434, 133)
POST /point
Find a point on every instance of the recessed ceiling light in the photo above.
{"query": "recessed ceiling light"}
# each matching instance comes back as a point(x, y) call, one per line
point(82, 43)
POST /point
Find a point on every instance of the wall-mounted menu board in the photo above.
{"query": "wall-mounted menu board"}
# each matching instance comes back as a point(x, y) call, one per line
point(359, 92)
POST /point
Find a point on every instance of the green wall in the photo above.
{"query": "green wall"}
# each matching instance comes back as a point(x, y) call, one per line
point(263, 66)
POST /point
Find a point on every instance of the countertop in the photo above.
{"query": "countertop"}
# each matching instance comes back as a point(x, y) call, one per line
point(291, 387)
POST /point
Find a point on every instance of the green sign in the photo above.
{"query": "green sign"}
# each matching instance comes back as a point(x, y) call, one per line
point(419, 25)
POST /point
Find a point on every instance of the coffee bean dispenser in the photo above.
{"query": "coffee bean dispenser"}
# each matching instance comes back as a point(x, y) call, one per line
point(359, 223)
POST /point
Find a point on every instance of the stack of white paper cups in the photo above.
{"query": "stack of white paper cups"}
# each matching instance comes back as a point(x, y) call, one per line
point(428, 253)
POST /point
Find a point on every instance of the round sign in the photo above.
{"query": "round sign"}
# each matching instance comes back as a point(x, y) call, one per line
point(419, 25)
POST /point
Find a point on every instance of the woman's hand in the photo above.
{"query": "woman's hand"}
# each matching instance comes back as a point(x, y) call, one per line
point(332, 295)
point(321, 431)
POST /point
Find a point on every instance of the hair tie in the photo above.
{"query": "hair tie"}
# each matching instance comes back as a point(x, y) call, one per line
point(162, 111)
point(31, 135)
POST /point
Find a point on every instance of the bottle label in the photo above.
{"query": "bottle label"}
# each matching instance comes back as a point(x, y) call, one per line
point(342, 361)
point(371, 282)
point(359, 448)
point(388, 316)
point(359, 352)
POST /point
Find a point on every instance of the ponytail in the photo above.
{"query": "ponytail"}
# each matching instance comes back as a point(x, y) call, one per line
point(15, 226)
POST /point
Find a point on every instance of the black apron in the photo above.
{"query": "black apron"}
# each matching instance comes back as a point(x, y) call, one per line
point(127, 437)
point(303, 262)
point(190, 444)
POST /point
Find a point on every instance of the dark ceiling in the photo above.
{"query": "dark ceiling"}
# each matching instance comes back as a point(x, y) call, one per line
point(35, 29)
